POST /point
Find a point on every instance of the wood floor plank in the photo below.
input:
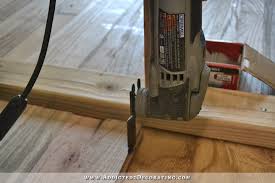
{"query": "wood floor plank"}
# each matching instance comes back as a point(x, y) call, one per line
point(21, 24)
point(45, 140)
point(226, 115)
point(33, 42)
point(122, 51)
point(10, 7)
point(164, 152)
point(65, 12)
point(86, 147)
point(4, 2)
point(85, 33)
point(74, 7)
point(28, 139)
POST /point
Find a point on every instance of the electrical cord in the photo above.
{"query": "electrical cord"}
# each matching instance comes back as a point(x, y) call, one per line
point(18, 104)
point(43, 51)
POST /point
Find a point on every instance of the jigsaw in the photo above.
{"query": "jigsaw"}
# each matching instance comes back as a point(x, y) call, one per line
point(177, 73)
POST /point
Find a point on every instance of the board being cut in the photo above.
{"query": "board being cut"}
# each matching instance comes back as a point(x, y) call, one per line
point(226, 115)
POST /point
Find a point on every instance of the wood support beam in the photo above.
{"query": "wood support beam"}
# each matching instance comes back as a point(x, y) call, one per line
point(226, 115)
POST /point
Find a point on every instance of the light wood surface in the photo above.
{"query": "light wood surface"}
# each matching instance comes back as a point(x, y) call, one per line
point(45, 140)
point(22, 31)
point(171, 152)
point(259, 66)
point(105, 36)
point(8, 7)
point(226, 115)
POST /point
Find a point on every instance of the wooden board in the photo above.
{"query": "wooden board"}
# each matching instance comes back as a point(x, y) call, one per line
point(226, 115)
point(259, 66)
point(45, 140)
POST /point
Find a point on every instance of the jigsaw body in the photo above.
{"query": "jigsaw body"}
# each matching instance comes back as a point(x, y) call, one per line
point(178, 75)
point(176, 72)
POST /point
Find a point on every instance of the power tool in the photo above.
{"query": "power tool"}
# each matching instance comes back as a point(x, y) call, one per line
point(176, 72)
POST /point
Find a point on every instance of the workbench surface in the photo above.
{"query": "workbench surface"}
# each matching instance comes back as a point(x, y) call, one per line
point(107, 35)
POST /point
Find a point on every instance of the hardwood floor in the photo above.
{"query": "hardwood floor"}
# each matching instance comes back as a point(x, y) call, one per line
point(171, 152)
point(45, 140)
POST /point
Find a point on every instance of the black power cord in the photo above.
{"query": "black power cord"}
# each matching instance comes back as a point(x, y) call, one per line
point(18, 104)
point(43, 51)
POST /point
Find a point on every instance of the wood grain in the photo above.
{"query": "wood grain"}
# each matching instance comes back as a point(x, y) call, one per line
point(105, 94)
point(33, 42)
point(164, 152)
point(29, 21)
point(21, 24)
point(226, 115)
point(8, 7)
point(122, 48)
point(86, 147)
point(80, 40)
point(45, 140)
point(65, 12)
